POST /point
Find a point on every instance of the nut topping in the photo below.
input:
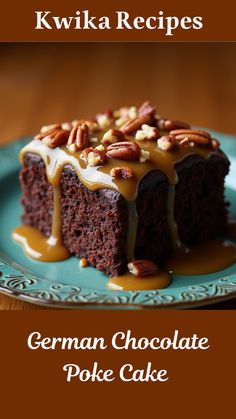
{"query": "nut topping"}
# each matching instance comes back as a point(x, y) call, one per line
point(121, 121)
point(170, 124)
point(133, 125)
point(147, 133)
point(122, 112)
point(121, 172)
point(54, 137)
point(66, 125)
point(166, 142)
point(104, 119)
point(215, 144)
point(144, 156)
point(196, 137)
point(124, 150)
point(142, 267)
point(83, 262)
point(113, 136)
point(93, 156)
point(79, 136)
point(147, 109)
point(46, 128)
point(92, 125)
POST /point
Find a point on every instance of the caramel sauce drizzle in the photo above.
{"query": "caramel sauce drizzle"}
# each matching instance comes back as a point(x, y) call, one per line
point(185, 261)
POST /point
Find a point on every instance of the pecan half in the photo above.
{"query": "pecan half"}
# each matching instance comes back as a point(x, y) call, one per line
point(147, 109)
point(215, 144)
point(142, 267)
point(169, 124)
point(121, 172)
point(92, 125)
point(79, 136)
point(46, 128)
point(93, 156)
point(196, 137)
point(133, 125)
point(113, 136)
point(125, 150)
point(54, 137)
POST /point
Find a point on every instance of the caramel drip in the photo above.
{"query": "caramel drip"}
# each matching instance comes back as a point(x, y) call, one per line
point(129, 282)
point(39, 247)
point(198, 260)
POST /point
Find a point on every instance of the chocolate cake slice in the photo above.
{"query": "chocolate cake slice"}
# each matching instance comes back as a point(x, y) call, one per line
point(130, 185)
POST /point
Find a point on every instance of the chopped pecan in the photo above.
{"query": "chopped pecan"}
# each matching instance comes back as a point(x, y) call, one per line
point(66, 125)
point(122, 112)
point(79, 136)
point(113, 136)
point(142, 267)
point(83, 262)
point(121, 172)
point(166, 142)
point(104, 119)
point(126, 112)
point(147, 133)
point(144, 156)
point(54, 137)
point(125, 150)
point(93, 156)
point(170, 124)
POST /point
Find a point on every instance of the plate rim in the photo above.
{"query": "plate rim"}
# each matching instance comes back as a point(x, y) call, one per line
point(8, 163)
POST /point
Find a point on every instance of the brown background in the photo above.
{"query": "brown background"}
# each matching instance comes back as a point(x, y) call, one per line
point(201, 384)
point(44, 83)
point(17, 23)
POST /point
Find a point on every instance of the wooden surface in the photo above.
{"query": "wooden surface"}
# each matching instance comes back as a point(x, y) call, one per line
point(45, 83)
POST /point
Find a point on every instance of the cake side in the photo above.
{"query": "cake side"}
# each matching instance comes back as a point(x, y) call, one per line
point(37, 194)
point(94, 224)
point(200, 210)
point(153, 239)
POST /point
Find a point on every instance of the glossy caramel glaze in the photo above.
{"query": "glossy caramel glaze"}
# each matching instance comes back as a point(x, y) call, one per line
point(39, 247)
point(99, 176)
point(204, 259)
point(129, 282)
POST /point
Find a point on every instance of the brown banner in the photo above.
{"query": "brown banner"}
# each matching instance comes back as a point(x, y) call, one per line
point(117, 21)
point(199, 378)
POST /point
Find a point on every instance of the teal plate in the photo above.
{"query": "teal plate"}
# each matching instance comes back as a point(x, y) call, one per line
point(65, 284)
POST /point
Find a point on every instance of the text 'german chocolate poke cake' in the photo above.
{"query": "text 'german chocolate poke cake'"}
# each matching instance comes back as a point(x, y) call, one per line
point(126, 188)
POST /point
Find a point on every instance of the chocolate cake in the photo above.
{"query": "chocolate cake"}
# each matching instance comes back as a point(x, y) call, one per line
point(128, 185)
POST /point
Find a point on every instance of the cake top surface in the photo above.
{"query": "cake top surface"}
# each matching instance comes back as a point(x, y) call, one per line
point(117, 148)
